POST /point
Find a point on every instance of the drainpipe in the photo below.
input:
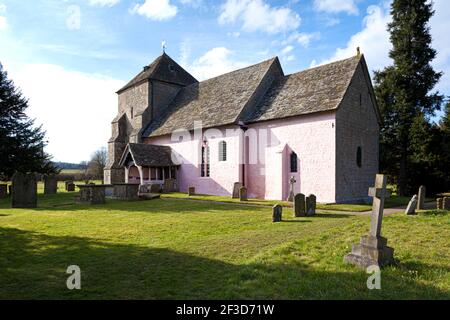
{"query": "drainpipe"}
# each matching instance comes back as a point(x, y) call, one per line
point(244, 128)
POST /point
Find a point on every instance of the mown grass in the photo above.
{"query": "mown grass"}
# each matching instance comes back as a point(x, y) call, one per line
point(188, 250)
point(390, 203)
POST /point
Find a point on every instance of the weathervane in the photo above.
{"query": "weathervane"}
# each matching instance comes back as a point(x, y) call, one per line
point(163, 46)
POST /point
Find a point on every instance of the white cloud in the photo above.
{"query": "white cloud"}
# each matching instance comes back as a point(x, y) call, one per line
point(215, 62)
point(304, 39)
point(103, 3)
point(73, 21)
point(256, 15)
point(373, 39)
point(75, 108)
point(156, 9)
point(336, 6)
point(3, 21)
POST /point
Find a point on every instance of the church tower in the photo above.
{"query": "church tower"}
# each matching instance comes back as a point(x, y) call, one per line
point(142, 100)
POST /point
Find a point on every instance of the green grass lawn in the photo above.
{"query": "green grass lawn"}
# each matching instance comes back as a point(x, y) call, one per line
point(183, 249)
point(390, 203)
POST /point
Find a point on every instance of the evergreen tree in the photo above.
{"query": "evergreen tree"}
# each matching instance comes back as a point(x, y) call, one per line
point(21, 144)
point(404, 90)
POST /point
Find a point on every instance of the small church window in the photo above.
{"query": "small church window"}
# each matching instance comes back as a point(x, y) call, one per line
point(359, 157)
point(205, 169)
point(294, 162)
point(222, 151)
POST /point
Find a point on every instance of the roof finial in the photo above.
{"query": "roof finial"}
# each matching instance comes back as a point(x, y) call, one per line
point(163, 46)
point(358, 52)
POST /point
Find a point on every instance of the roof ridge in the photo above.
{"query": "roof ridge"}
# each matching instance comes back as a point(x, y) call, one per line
point(325, 65)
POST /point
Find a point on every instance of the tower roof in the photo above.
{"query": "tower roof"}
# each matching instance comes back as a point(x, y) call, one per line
point(164, 68)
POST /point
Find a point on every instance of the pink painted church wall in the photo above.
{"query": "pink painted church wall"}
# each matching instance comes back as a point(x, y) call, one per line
point(267, 156)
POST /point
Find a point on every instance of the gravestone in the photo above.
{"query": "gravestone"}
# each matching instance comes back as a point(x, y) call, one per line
point(67, 184)
point(446, 203)
point(440, 203)
point(50, 185)
point(292, 182)
point(277, 213)
point(24, 192)
point(191, 191)
point(421, 199)
point(10, 189)
point(155, 188)
point(71, 187)
point(92, 194)
point(299, 205)
point(243, 194)
point(126, 192)
point(169, 185)
point(3, 191)
point(412, 205)
point(373, 249)
point(311, 205)
point(237, 186)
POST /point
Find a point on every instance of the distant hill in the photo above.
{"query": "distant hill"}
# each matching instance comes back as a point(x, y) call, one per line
point(70, 166)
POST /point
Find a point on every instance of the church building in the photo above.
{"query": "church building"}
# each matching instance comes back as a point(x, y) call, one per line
point(255, 126)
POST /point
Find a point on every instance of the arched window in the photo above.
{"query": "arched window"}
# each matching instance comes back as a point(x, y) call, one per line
point(359, 157)
point(222, 151)
point(294, 162)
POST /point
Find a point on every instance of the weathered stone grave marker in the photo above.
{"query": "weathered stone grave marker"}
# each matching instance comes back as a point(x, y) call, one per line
point(237, 186)
point(191, 191)
point(421, 199)
point(277, 213)
point(373, 249)
point(299, 205)
point(24, 191)
point(411, 208)
point(311, 205)
point(71, 187)
point(67, 184)
point(50, 185)
point(292, 182)
point(243, 194)
point(169, 185)
point(440, 203)
point(446, 203)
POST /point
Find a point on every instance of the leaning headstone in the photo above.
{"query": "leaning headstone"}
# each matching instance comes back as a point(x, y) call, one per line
point(277, 213)
point(237, 186)
point(373, 249)
point(292, 182)
point(446, 203)
point(299, 205)
point(243, 194)
point(155, 188)
point(3, 191)
point(24, 192)
point(440, 203)
point(71, 187)
point(421, 199)
point(412, 205)
point(311, 205)
point(126, 191)
point(191, 191)
point(50, 185)
point(91, 194)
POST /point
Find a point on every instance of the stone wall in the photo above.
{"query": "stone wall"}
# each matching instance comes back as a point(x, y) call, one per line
point(356, 126)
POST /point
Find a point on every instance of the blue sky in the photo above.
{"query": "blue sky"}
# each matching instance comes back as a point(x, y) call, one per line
point(69, 57)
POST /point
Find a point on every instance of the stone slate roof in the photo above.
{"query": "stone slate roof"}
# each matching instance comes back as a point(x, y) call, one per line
point(217, 101)
point(313, 90)
point(220, 101)
point(148, 155)
point(164, 68)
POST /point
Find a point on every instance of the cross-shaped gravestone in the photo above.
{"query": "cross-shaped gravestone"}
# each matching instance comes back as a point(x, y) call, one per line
point(373, 249)
point(292, 182)
point(379, 194)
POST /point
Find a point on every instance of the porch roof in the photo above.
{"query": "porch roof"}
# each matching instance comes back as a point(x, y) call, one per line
point(148, 155)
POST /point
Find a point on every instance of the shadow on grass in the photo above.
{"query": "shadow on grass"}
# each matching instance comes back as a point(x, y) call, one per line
point(33, 266)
